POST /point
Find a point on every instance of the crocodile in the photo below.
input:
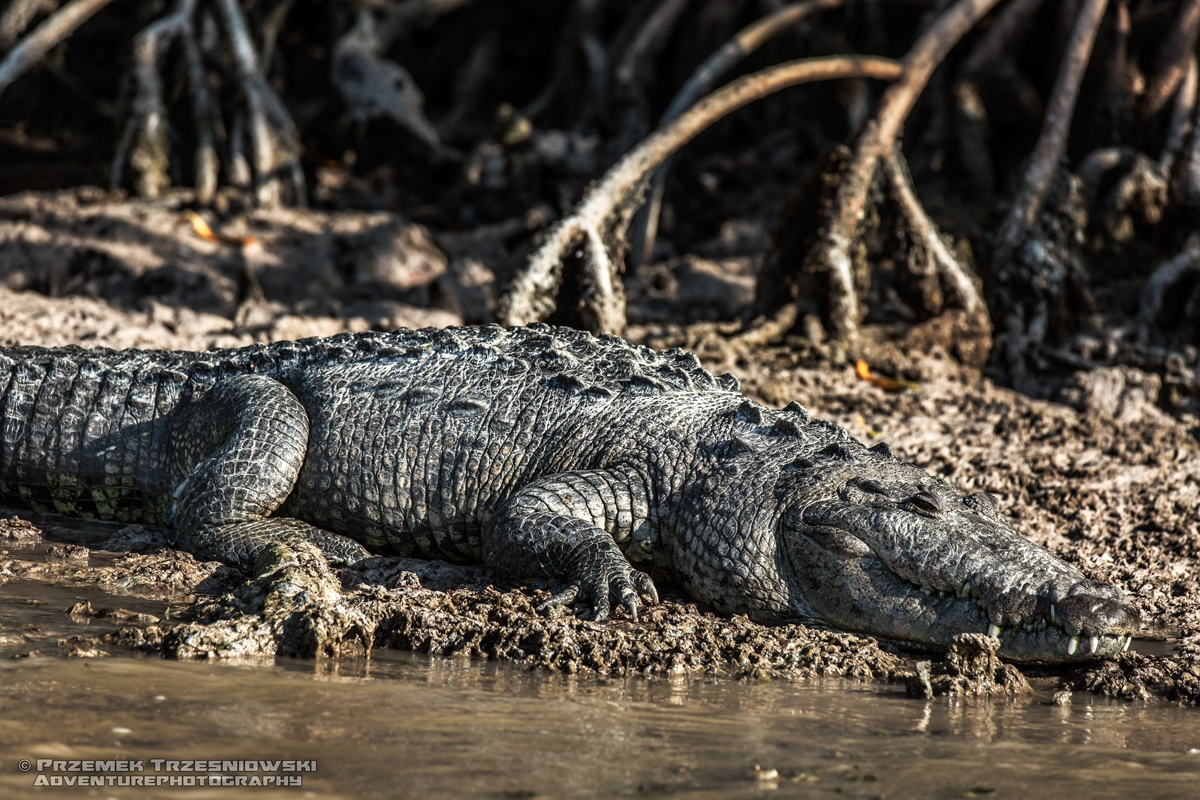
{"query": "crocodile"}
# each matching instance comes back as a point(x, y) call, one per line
point(586, 463)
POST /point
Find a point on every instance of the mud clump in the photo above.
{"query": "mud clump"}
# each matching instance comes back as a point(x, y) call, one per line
point(1134, 676)
point(669, 638)
point(17, 532)
point(297, 606)
point(971, 668)
point(293, 607)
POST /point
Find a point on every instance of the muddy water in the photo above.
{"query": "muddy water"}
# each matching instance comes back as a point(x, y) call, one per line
point(415, 727)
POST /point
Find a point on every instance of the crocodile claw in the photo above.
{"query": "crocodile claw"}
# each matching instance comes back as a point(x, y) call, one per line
point(620, 587)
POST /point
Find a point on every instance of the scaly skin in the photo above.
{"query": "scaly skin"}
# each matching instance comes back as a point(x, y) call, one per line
point(546, 454)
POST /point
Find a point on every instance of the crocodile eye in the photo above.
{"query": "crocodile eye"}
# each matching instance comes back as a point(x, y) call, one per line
point(868, 485)
point(926, 504)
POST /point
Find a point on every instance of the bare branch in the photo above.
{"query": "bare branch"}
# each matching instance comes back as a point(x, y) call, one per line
point(992, 53)
point(629, 96)
point(876, 140)
point(274, 142)
point(271, 28)
point(146, 131)
point(207, 165)
point(1097, 164)
point(1057, 125)
point(956, 275)
point(1181, 118)
point(1186, 189)
point(997, 43)
point(239, 167)
point(1163, 278)
point(1176, 50)
point(531, 295)
point(745, 42)
point(54, 30)
point(18, 15)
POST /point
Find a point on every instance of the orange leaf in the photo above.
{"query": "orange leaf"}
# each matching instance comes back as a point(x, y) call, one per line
point(887, 384)
point(205, 232)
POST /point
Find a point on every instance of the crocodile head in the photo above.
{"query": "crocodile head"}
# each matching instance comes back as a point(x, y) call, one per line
point(798, 521)
point(882, 547)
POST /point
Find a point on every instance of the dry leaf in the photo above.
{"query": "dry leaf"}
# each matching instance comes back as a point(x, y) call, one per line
point(205, 232)
point(887, 384)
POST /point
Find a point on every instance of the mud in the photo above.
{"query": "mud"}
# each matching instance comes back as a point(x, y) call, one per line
point(971, 668)
point(296, 606)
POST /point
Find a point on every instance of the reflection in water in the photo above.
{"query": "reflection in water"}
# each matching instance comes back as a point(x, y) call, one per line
point(405, 725)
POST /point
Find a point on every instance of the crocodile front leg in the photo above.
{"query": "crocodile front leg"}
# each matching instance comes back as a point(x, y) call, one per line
point(241, 447)
point(561, 527)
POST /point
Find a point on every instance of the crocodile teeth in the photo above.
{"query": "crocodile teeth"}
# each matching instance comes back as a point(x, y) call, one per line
point(1095, 643)
point(1128, 641)
point(1052, 617)
point(927, 592)
point(965, 591)
point(993, 630)
point(1072, 645)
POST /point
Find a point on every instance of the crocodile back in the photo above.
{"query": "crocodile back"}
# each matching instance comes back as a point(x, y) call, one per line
point(88, 432)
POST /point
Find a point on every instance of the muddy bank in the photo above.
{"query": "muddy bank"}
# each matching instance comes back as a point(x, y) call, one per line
point(296, 606)
point(1105, 478)
point(1112, 493)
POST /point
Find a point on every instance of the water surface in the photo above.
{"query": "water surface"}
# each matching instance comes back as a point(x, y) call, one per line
point(408, 726)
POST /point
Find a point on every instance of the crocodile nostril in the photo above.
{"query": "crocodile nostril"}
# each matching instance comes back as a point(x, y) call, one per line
point(1098, 614)
point(983, 504)
point(925, 503)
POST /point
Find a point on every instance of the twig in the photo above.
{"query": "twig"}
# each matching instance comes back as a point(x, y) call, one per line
point(146, 131)
point(18, 15)
point(645, 226)
point(879, 136)
point(757, 335)
point(1057, 124)
point(956, 275)
point(991, 53)
point(1186, 188)
point(1176, 51)
point(1163, 278)
point(55, 29)
point(207, 165)
point(972, 130)
point(1181, 118)
point(271, 28)
point(274, 142)
point(997, 42)
point(239, 167)
point(531, 296)
point(628, 93)
point(1097, 164)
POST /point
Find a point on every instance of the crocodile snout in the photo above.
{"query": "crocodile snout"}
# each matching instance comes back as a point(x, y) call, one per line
point(1095, 611)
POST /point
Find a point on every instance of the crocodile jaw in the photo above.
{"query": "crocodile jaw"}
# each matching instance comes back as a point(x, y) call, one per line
point(897, 575)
